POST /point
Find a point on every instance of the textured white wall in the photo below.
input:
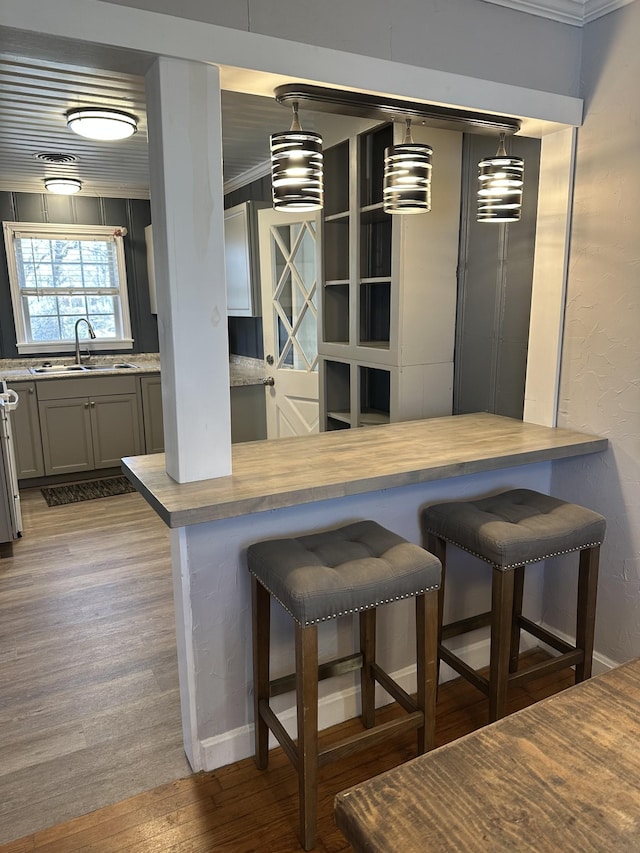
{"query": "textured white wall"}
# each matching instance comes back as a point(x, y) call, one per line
point(600, 379)
point(466, 37)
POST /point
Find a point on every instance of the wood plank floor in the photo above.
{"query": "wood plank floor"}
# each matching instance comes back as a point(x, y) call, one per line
point(90, 743)
point(89, 705)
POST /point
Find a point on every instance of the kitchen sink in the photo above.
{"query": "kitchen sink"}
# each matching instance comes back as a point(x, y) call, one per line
point(121, 365)
point(58, 368)
point(81, 368)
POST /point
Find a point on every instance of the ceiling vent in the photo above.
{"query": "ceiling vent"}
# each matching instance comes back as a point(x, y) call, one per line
point(55, 157)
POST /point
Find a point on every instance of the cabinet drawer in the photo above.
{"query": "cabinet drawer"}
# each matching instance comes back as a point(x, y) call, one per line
point(86, 386)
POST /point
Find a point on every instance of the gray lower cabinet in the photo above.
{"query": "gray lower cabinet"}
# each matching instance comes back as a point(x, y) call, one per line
point(248, 414)
point(151, 394)
point(87, 425)
point(25, 424)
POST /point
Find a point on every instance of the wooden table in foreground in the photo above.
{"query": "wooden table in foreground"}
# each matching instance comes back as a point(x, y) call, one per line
point(562, 776)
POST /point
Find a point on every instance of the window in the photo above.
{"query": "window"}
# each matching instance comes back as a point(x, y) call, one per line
point(60, 273)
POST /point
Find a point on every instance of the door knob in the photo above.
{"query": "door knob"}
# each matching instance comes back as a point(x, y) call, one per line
point(268, 380)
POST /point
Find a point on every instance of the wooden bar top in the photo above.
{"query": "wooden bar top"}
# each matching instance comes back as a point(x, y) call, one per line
point(289, 471)
point(560, 776)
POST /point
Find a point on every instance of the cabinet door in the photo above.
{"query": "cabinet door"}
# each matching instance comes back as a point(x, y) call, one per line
point(115, 429)
point(66, 435)
point(241, 259)
point(151, 393)
point(25, 423)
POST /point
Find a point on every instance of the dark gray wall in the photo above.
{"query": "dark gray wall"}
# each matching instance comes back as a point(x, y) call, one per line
point(134, 214)
point(494, 290)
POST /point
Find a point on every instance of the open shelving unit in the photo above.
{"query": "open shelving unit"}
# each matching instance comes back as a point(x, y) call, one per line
point(387, 318)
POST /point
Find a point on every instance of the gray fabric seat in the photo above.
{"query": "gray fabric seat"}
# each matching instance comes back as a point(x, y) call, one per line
point(509, 531)
point(515, 527)
point(351, 569)
point(346, 570)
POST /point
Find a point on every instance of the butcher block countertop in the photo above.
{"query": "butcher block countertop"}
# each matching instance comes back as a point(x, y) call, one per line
point(286, 472)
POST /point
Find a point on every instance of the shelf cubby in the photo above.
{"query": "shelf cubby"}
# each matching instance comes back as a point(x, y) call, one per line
point(371, 159)
point(335, 308)
point(375, 396)
point(336, 249)
point(375, 245)
point(336, 168)
point(374, 307)
point(337, 391)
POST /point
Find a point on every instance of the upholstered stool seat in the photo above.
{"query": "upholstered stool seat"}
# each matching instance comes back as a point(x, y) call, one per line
point(509, 531)
point(352, 569)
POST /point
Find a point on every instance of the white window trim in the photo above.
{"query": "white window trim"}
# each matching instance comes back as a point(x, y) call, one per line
point(125, 342)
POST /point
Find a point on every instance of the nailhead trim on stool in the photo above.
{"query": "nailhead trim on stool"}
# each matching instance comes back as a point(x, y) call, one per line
point(351, 569)
point(509, 531)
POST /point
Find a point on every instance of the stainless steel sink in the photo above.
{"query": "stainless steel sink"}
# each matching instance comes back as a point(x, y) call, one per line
point(81, 368)
point(58, 368)
point(121, 365)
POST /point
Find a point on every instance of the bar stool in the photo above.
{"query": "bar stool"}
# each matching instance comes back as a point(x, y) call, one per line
point(508, 531)
point(351, 569)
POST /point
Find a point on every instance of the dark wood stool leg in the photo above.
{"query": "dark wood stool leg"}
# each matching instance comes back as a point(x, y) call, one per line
point(261, 613)
point(367, 681)
point(427, 666)
point(438, 547)
point(501, 610)
point(518, 590)
point(586, 610)
point(307, 706)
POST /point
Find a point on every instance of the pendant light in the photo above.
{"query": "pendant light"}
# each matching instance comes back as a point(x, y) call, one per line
point(63, 186)
point(297, 168)
point(407, 176)
point(500, 180)
point(101, 123)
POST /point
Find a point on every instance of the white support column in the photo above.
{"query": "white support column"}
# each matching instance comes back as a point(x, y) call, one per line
point(185, 161)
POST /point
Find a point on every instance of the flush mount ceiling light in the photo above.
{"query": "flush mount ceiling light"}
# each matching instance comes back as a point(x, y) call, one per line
point(63, 186)
point(101, 123)
point(407, 176)
point(296, 168)
point(500, 180)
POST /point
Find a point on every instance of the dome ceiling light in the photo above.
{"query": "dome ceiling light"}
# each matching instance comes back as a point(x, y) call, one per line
point(102, 123)
point(63, 186)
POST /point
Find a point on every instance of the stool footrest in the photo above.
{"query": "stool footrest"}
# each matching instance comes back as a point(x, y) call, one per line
point(370, 737)
point(463, 626)
point(464, 669)
point(282, 735)
point(393, 688)
point(544, 635)
point(555, 664)
point(329, 669)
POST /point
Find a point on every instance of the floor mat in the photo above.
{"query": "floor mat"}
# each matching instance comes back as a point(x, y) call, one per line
point(87, 491)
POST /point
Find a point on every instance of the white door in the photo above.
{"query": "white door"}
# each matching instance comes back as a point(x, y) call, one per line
point(289, 254)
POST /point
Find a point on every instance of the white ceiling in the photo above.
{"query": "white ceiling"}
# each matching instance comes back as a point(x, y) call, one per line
point(41, 78)
point(36, 93)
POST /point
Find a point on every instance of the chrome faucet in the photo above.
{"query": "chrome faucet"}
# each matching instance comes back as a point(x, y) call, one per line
point(92, 335)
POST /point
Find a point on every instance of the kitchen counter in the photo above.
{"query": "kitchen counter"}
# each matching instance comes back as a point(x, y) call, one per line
point(293, 486)
point(242, 371)
point(276, 474)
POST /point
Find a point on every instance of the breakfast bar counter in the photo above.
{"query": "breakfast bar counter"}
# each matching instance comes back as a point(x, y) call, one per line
point(294, 486)
point(270, 475)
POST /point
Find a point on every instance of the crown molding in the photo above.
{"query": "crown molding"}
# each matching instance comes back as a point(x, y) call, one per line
point(577, 13)
point(247, 177)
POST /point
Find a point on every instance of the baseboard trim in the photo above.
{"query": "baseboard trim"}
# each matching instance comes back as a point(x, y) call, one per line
point(237, 744)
